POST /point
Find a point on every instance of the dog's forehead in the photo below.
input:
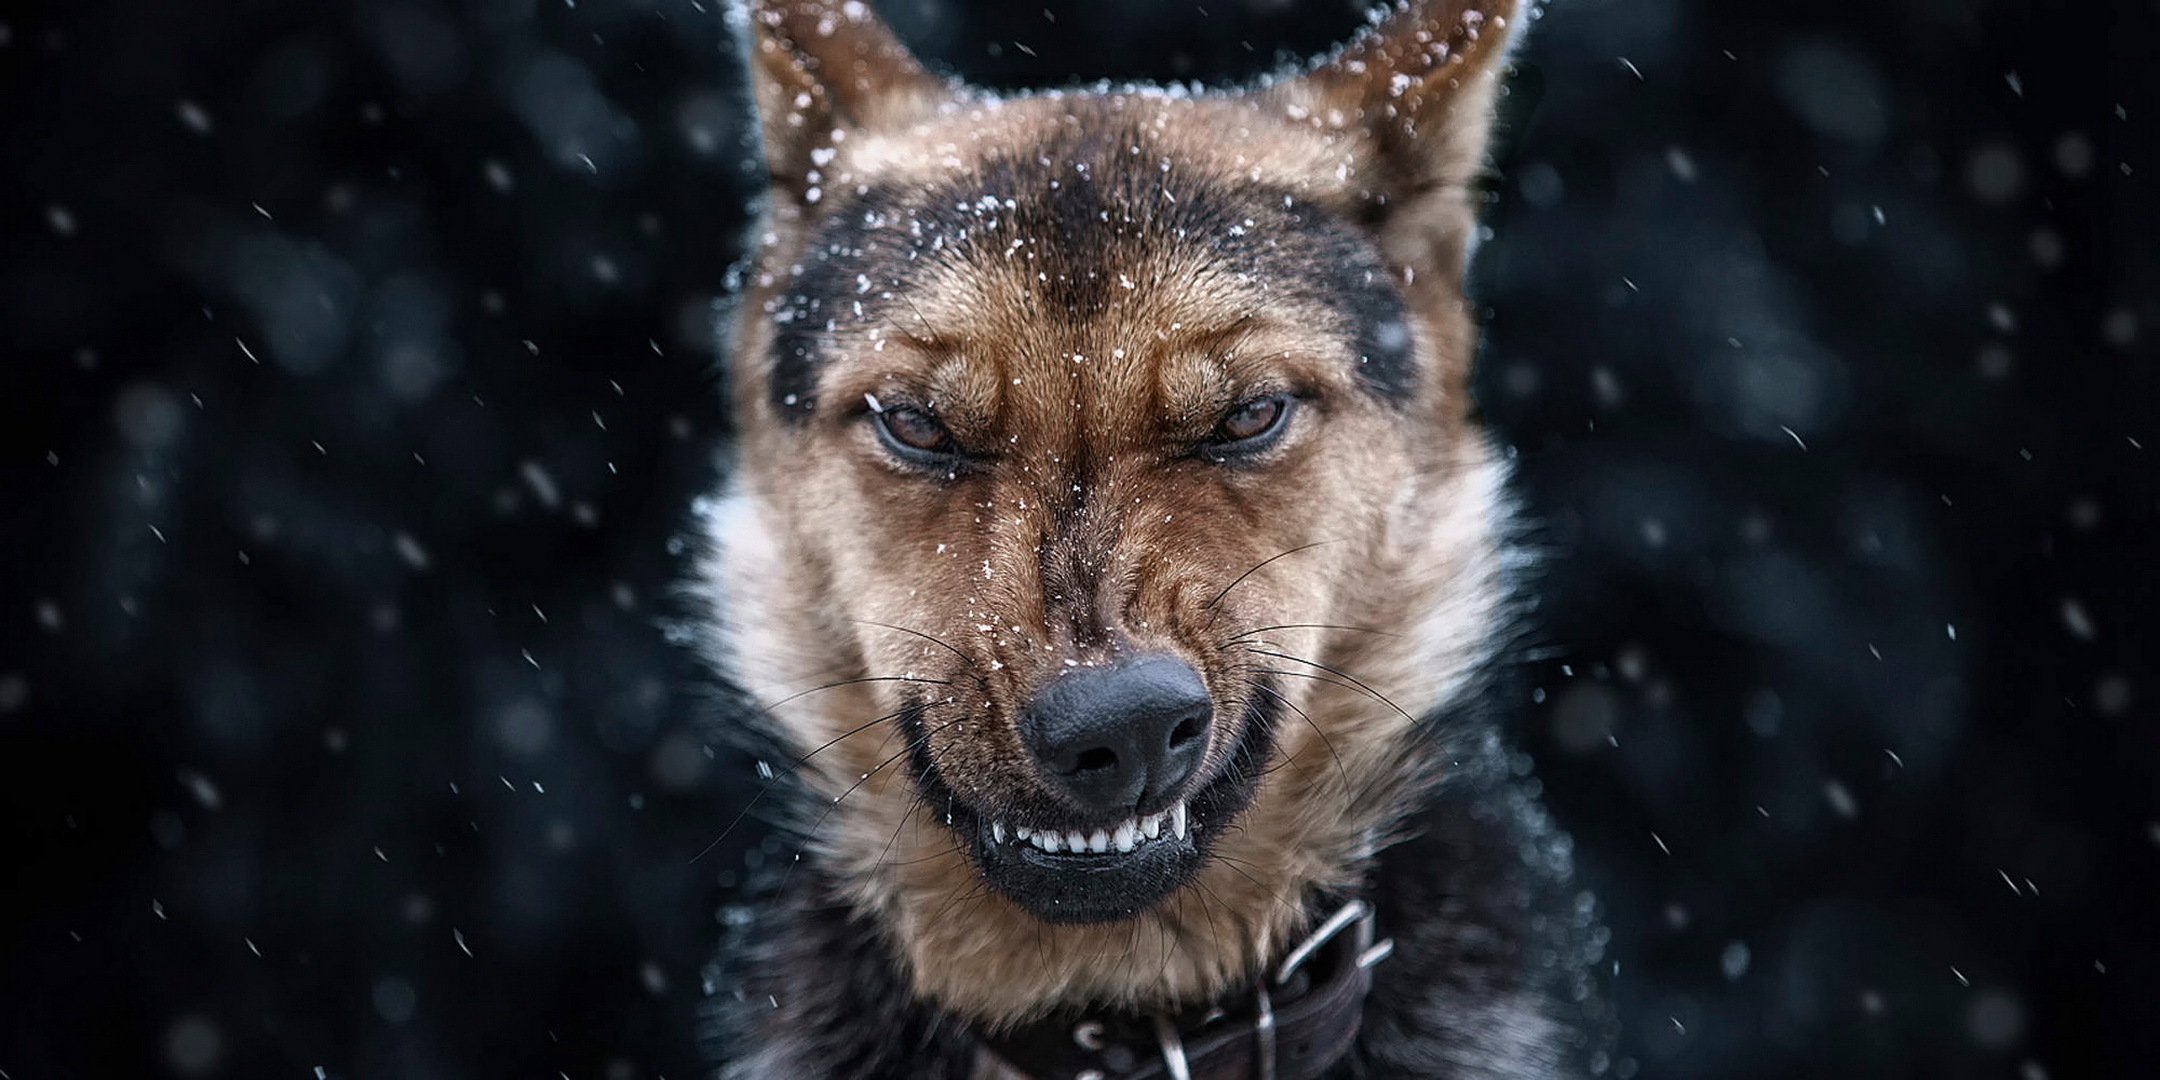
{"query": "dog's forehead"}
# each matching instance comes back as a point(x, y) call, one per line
point(1124, 250)
point(1101, 129)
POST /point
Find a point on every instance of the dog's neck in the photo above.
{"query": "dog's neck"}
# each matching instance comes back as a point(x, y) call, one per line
point(828, 995)
point(842, 1002)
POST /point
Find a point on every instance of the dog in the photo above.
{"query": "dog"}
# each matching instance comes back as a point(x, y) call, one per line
point(1122, 585)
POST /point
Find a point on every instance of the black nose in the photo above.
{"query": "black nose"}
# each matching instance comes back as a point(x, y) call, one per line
point(1120, 737)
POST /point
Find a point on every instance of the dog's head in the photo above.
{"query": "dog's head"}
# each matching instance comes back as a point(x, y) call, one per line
point(1109, 498)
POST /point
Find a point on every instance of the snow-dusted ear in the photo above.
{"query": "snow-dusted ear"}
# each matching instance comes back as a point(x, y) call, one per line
point(823, 68)
point(1419, 86)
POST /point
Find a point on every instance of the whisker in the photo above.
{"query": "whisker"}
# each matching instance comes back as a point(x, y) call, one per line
point(913, 806)
point(958, 894)
point(1042, 947)
point(1258, 630)
point(1309, 675)
point(931, 638)
point(811, 836)
point(932, 857)
point(1361, 791)
point(1163, 924)
point(1214, 931)
point(1256, 569)
point(791, 767)
point(1238, 865)
point(1132, 944)
point(1354, 680)
point(857, 682)
point(1324, 740)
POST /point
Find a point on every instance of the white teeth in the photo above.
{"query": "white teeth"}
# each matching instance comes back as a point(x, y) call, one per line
point(1124, 836)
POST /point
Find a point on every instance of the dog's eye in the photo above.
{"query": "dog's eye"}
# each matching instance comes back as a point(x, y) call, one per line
point(914, 433)
point(1252, 425)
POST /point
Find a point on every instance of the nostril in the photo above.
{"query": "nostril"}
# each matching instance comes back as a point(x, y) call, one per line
point(1187, 730)
point(1102, 757)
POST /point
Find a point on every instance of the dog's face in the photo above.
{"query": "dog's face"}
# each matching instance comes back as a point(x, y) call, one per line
point(1109, 499)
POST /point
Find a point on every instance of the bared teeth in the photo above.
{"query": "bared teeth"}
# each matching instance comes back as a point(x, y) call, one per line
point(1126, 835)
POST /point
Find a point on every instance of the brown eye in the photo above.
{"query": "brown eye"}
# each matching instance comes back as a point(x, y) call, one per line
point(914, 432)
point(1252, 422)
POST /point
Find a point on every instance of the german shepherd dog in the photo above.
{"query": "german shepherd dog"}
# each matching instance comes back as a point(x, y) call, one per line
point(1120, 574)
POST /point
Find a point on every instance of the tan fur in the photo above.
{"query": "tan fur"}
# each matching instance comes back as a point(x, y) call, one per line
point(822, 547)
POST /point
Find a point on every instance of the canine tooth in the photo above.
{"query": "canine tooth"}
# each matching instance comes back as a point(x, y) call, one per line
point(1177, 820)
point(1124, 836)
point(997, 831)
point(1100, 842)
point(1076, 842)
point(1151, 825)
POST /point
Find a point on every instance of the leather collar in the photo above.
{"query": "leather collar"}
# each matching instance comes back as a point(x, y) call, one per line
point(1293, 1025)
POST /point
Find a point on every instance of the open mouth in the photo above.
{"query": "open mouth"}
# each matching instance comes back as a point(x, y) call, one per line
point(1065, 871)
point(1106, 873)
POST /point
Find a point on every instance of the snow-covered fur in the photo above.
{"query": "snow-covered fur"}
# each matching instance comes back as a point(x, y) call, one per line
point(1078, 287)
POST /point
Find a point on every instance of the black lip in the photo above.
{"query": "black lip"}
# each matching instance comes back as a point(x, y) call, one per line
point(1094, 888)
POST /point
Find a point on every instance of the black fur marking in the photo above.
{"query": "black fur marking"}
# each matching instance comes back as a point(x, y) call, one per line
point(1078, 215)
point(1074, 555)
point(1492, 976)
point(805, 317)
point(1363, 294)
point(804, 987)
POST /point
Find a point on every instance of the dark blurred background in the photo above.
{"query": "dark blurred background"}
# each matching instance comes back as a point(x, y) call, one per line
point(360, 379)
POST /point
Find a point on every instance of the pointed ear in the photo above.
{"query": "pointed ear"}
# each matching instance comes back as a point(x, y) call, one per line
point(821, 69)
point(1419, 87)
